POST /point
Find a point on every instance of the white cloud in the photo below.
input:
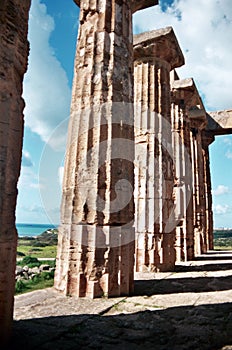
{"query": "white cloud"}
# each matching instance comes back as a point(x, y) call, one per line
point(61, 175)
point(229, 154)
point(26, 159)
point(221, 189)
point(46, 89)
point(204, 30)
point(221, 209)
point(227, 141)
point(28, 179)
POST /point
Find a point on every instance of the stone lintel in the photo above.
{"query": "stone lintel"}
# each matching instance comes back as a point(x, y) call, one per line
point(162, 44)
point(220, 122)
point(192, 100)
point(143, 4)
point(136, 4)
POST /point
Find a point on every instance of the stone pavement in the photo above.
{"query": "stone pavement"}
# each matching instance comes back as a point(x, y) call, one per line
point(190, 308)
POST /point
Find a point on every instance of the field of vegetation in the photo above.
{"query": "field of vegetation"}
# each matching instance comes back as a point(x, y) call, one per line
point(223, 239)
point(32, 252)
point(33, 277)
point(42, 246)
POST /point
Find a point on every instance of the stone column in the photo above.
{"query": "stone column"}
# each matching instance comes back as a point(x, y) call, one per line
point(198, 122)
point(207, 139)
point(183, 165)
point(96, 236)
point(189, 119)
point(13, 64)
point(155, 54)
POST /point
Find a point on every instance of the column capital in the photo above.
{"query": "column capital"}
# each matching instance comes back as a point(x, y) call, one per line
point(192, 101)
point(135, 4)
point(162, 44)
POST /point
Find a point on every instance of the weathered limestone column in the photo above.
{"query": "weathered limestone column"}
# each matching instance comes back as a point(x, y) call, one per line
point(96, 237)
point(183, 102)
point(155, 54)
point(13, 64)
point(197, 116)
point(188, 102)
point(207, 139)
point(198, 191)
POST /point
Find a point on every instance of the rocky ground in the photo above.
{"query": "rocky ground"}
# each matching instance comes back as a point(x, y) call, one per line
point(190, 308)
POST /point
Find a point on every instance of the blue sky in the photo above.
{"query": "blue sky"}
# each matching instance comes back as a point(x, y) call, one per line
point(204, 31)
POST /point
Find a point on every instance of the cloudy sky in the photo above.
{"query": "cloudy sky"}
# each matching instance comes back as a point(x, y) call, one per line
point(204, 31)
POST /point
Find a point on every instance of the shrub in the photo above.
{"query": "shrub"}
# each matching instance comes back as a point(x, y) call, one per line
point(47, 275)
point(20, 286)
point(20, 254)
point(30, 261)
point(38, 244)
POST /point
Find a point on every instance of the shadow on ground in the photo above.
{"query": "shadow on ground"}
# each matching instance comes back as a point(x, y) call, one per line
point(206, 267)
point(188, 327)
point(182, 285)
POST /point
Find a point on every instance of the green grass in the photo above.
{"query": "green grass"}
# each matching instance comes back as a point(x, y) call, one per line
point(42, 246)
point(32, 261)
point(43, 252)
point(44, 280)
point(30, 249)
point(223, 239)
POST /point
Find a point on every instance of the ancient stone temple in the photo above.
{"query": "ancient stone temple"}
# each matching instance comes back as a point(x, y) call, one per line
point(13, 64)
point(156, 53)
point(138, 148)
point(96, 237)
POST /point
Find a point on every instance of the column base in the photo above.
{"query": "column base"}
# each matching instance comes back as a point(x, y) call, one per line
point(95, 261)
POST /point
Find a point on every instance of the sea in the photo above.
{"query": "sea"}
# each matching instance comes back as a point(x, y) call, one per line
point(33, 230)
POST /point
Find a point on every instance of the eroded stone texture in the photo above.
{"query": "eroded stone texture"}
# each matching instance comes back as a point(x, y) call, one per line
point(197, 116)
point(96, 238)
point(155, 54)
point(135, 4)
point(220, 122)
point(195, 229)
point(184, 244)
point(207, 139)
point(13, 64)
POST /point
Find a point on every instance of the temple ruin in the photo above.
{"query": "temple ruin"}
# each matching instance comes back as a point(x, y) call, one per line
point(137, 189)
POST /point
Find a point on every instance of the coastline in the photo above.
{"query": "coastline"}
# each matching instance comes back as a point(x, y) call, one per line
point(33, 230)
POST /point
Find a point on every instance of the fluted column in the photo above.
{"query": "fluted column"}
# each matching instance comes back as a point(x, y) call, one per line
point(13, 63)
point(96, 237)
point(189, 120)
point(183, 164)
point(207, 139)
point(198, 122)
point(155, 54)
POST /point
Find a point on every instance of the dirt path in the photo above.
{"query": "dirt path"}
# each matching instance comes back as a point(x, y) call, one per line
point(190, 308)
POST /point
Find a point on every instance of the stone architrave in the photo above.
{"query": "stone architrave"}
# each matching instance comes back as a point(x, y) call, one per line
point(96, 236)
point(156, 53)
point(14, 49)
point(219, 122)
